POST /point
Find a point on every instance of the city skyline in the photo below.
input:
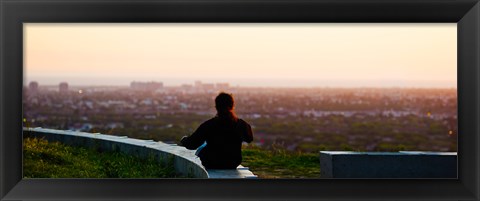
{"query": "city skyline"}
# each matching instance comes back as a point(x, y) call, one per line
point(269, 55)
point(275, 84)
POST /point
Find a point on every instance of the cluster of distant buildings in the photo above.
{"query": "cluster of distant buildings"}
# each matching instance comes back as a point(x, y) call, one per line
point(146, 86)
point(198, 86)
point(33, 87)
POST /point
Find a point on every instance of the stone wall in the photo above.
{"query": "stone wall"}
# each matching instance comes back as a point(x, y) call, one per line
point(405, 164)
point(185, 162)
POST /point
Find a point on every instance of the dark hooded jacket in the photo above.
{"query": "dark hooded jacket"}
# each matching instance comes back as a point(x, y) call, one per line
point(224, 142)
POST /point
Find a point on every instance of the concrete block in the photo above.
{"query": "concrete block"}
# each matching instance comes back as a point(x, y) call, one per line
point(185, 161)
point(240, 172)
point(340, 164)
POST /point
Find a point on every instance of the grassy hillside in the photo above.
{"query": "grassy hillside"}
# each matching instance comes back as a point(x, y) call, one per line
point(43, 159)
point(279, 163)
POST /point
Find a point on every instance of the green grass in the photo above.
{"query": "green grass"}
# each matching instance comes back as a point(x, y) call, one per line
point(279, 163)
point(43, 159)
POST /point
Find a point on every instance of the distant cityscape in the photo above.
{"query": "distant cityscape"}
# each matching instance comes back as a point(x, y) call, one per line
point(152, 86)
point(296, 119)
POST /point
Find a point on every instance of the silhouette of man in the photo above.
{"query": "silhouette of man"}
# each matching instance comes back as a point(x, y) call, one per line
point(220, 138)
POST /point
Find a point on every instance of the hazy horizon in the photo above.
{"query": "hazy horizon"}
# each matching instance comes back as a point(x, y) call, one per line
point(85, 81)
point(249, 55)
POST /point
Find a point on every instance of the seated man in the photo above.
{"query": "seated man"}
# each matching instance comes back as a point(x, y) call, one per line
point(221, 137)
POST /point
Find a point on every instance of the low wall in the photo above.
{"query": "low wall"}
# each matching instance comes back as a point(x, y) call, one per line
point(185, 162)
point(405, 164)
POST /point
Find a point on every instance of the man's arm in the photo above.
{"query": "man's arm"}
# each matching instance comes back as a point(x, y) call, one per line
point(196, 139)
point(248, 134)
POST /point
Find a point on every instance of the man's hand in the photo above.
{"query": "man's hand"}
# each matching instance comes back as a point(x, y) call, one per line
point(182, 140)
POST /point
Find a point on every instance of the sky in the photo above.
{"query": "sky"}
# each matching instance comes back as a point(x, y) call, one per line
point(265, 55)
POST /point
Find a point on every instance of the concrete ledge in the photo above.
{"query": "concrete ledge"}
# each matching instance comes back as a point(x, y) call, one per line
point(185, 161)
point(405, 164)
point(240, 172)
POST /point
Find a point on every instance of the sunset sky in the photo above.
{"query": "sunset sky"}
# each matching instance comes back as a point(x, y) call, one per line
point(284, 55)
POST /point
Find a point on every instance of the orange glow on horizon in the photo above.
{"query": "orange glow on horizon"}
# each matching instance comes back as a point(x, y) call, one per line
point(314, 54)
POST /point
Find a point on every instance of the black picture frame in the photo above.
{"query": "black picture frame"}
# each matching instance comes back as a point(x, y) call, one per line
point(13, 13)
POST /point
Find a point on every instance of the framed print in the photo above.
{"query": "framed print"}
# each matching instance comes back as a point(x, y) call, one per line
point(326, 100)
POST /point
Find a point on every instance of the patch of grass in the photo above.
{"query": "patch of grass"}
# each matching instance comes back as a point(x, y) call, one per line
point(43, 159)
point(279, 163)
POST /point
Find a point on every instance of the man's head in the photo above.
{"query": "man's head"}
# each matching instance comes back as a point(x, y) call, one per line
point(224, 102)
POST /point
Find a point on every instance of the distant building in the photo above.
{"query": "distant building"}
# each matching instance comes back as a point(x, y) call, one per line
point(146, 86)
point(222, 86)
point(63, 88)
point(208, 86)
point(33, 87)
